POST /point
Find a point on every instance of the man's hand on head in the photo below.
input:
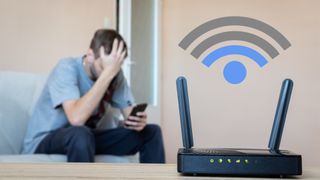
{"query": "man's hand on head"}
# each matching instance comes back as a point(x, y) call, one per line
point(112, 62)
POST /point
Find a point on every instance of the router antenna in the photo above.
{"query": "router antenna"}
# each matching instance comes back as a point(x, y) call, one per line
point(281, 113)
point(184, 110)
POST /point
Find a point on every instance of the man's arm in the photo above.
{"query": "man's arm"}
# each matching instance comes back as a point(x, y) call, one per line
point(79, 111)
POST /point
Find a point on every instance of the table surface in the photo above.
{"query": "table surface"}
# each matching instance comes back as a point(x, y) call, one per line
point(110, 171)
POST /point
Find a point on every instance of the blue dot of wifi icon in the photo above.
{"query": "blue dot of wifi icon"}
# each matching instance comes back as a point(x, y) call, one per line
point(235, 72)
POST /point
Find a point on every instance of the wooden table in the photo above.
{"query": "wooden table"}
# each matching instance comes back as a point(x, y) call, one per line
point(109, 171)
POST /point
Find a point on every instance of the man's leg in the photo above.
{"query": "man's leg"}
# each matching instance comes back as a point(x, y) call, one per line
point(77, 142)
point(121, 141)
point(153, 149)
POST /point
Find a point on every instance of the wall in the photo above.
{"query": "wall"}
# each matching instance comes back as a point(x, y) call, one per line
point(35, 34)
point(225, 115)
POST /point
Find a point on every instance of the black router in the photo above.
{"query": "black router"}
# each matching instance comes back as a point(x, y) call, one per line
point(237, 162)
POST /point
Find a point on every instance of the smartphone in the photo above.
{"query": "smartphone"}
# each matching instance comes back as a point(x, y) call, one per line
point(138, 108)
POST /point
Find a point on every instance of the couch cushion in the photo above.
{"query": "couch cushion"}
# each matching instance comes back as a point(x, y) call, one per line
point(38, 158)
point(13, 126)
point(18, 95)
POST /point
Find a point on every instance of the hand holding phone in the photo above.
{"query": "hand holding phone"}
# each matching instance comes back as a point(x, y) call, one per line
point(134, 121)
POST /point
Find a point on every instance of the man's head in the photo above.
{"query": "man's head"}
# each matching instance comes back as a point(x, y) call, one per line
point(105, 38)
point(102, 38)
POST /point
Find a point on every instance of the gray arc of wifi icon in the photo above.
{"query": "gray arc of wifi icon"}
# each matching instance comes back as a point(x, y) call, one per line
point(235, 72)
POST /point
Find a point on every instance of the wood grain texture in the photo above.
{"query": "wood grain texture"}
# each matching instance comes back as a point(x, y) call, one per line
point(107, 171)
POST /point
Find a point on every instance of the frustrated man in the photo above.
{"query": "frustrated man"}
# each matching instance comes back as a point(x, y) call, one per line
point(73, 101)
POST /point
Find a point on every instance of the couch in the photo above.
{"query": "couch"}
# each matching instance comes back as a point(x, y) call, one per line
point(18, 95)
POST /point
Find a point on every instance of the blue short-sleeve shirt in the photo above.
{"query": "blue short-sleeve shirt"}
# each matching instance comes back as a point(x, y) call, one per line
point(67, 81)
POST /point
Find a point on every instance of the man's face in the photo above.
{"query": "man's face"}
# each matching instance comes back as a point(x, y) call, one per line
point(94, 64)
point(96, 68)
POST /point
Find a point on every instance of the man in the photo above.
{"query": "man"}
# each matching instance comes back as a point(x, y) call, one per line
point(73, 100)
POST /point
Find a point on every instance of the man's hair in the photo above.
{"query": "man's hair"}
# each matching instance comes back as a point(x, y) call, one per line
point(105, 37)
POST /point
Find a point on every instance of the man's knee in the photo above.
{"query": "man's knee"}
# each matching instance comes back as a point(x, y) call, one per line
point(153, 130)
point(80, 136)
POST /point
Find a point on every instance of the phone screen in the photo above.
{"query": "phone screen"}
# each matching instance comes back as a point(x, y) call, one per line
point(138, 108)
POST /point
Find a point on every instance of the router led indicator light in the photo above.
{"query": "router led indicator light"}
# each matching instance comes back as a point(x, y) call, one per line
point(211, 160)
point(229, 160)
point(220, 161)
point(238, 161)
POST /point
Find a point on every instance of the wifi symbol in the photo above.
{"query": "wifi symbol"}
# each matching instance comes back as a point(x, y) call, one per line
point(235, 72)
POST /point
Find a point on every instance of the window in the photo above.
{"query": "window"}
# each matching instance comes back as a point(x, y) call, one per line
point(139, 24)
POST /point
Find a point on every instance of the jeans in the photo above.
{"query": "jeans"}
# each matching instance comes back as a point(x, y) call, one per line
point(81, 143)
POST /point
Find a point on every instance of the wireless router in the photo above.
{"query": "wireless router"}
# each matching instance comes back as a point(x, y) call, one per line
point(237, 162)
